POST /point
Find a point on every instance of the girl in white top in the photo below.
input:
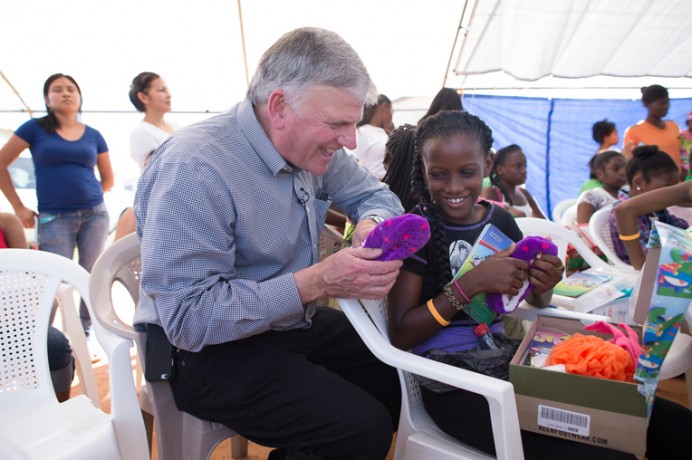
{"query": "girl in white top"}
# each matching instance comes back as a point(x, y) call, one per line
point(610, 171)
point(149, 94)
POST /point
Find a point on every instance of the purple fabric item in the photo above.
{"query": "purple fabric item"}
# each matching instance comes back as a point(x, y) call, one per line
point(527, 249)
point(399, 237)
point(455, 338)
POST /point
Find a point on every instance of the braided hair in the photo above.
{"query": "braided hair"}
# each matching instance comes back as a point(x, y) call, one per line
point(495, 179)
point(400, 148)
point(443, 125)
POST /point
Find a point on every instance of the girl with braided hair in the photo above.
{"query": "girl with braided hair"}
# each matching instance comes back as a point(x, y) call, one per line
point(506, 175)
point(452, 155)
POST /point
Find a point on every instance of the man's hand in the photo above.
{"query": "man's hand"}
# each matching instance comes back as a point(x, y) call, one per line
point(362, 231)
point(348, 273)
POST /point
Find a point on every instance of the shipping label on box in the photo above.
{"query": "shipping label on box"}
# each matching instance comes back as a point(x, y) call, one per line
point(600, 412)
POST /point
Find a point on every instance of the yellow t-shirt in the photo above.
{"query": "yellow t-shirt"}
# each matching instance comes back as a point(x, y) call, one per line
point(667, 139)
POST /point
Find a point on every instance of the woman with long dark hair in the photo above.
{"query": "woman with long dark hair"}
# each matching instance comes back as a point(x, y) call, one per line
point(65, 153)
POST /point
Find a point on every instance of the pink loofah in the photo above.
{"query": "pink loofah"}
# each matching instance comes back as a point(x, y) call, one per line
point(629, 342)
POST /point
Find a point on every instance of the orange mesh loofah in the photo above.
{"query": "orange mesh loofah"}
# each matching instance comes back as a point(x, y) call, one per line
point(592, 356)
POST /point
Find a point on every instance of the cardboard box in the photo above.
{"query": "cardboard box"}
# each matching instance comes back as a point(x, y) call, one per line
point(600, 412)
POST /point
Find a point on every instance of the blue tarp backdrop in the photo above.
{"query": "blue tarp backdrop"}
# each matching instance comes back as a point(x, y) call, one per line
point(555, 135)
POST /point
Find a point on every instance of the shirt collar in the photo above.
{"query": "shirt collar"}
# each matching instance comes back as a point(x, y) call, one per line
point(258, 139)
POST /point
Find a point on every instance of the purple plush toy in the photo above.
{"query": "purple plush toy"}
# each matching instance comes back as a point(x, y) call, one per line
point(527, 249)
point(399, 237)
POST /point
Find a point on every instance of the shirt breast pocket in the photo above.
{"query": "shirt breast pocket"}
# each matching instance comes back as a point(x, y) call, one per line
point(321, 209)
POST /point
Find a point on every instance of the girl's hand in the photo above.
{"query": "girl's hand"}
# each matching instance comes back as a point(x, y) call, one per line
point(545, 273)
point(499, 273)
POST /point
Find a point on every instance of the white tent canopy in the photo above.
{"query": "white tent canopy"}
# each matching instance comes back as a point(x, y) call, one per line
point(407, 45)
point(508, 43)
point(201, 50)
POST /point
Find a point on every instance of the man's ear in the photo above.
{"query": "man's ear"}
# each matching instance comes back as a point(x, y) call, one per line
point(277, 108)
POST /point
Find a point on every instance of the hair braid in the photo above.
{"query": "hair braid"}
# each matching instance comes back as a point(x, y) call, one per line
point(438, 237)
point(401, 149)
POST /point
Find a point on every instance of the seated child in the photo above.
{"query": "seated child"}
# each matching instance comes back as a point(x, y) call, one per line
point(610, 171)
point(507, 174)
point(426, 307)
point(605, 134)
point(648, 169)
point(628, 212)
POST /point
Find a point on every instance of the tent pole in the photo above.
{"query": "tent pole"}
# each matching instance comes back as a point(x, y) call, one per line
point(454, 45)
point(548, 143)
point(456, 39)
point(14, 90)
point(242, 38)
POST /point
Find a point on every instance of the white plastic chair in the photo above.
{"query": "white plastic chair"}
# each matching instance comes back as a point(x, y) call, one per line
point(32, 419)
point(569, 217)
point(330, 241)
point(599, 227)
point(74, 331)
point(179, 435)
point(561, 207)
point(418, 437)
point(562, 237)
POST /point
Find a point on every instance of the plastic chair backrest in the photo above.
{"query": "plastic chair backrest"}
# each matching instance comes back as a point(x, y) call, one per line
point(561, 207)
point(330, 241)
point(569, 217)
point(29, 281)
point(418, 436)
point(27, 303)
point(599, 227)
point(179, 435)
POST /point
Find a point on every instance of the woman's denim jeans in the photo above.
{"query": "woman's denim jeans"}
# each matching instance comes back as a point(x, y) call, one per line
point(85, 229)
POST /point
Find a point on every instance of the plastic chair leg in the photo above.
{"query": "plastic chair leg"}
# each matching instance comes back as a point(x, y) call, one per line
point(149, 426)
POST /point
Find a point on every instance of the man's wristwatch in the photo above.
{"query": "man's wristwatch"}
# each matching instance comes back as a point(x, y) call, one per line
point(374, 217)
